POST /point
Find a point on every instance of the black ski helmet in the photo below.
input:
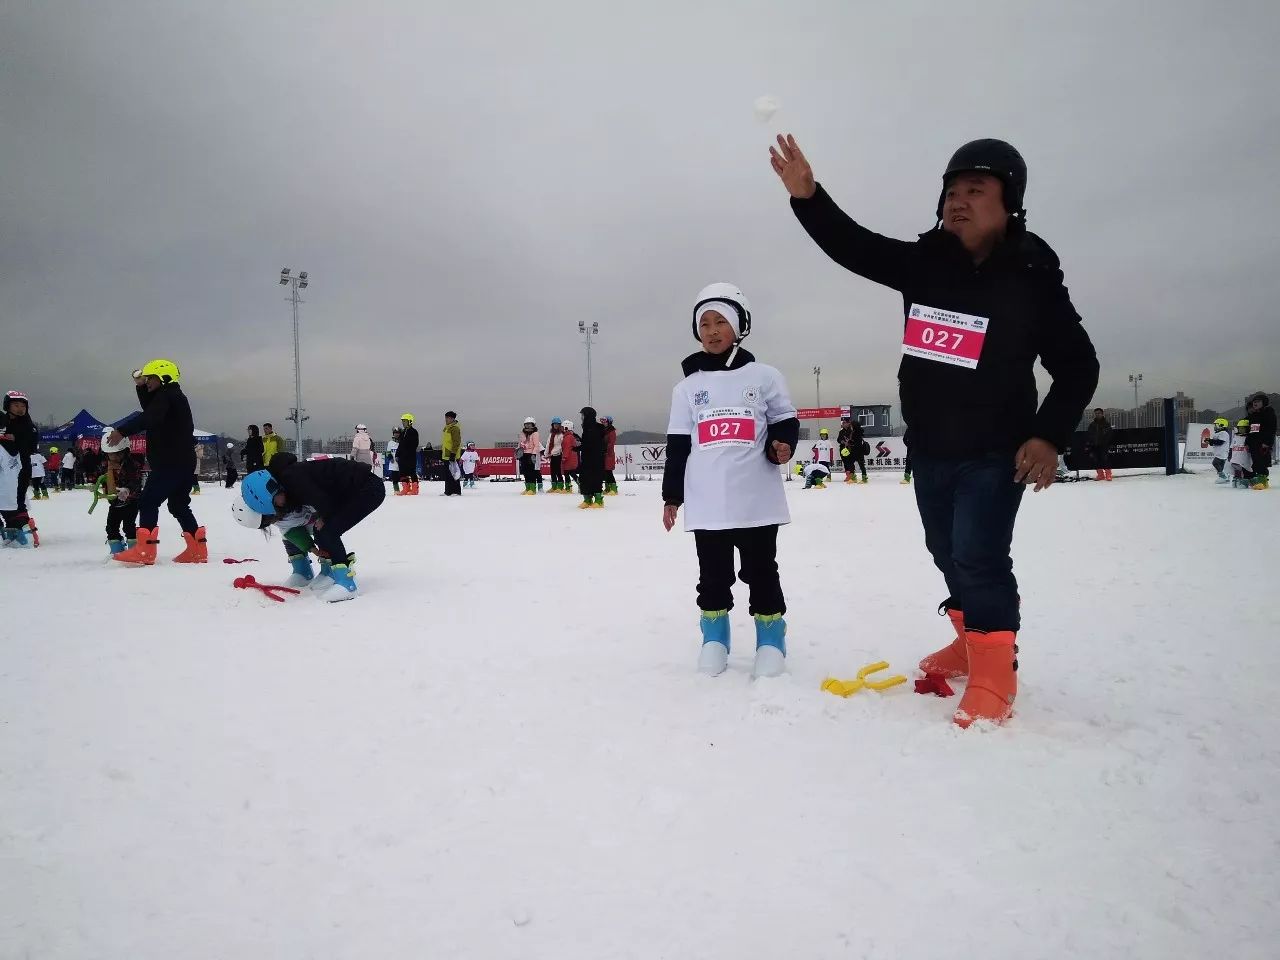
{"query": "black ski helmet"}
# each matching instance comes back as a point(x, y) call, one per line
point(997, 158)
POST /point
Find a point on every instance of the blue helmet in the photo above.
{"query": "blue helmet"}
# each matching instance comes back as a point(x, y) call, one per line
point(259, 489)
point(555, 421)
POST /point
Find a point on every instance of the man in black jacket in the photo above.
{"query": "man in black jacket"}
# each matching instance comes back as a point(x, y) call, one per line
point(590, 449)
point(850, 441)
point(1098, 440)
point(983, 298)
point(251, 453)
point(1262, 438)
point(407, 454)
point(166, 419)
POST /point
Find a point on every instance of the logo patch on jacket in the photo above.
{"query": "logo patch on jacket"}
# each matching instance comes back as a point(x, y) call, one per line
point(751, 396)
point(701, 398)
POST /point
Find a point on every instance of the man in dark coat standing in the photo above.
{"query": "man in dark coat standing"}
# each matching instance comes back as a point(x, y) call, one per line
point(1099, 443)
point(590, 449)
point(166, 419)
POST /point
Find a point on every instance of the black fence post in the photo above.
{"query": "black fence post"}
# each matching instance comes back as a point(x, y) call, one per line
point(1170, 438)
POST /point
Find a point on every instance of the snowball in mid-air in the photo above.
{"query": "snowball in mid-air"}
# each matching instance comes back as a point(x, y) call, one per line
point(766, 107)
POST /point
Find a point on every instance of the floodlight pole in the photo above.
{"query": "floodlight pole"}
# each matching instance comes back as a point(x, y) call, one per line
point(295, 284)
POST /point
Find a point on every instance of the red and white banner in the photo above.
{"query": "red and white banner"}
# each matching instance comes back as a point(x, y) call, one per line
point(822, 413)
point(137, 443)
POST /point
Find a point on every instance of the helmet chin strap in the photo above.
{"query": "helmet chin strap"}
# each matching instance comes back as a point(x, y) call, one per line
point(728, 364)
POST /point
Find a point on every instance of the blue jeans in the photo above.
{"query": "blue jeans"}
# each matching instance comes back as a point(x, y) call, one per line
point(968, 508)
point(172, 484)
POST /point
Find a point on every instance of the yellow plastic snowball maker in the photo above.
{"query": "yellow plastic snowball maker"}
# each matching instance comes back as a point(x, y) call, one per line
point(847, 688)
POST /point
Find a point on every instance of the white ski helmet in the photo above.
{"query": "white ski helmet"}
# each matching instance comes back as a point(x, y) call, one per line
point(530, 420)
point(568, 424)
point(113, 447)
point(245, 516)
point(729, 295)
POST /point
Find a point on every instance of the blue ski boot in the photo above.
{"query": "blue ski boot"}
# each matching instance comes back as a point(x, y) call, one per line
point(771, 646)
point(714, 657)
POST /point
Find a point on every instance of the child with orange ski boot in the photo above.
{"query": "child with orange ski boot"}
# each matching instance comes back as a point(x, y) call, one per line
point(590, 450)
point(122, 479)
point(19, 437)
point(339, 492)
point(166, 419)
point(732, 425)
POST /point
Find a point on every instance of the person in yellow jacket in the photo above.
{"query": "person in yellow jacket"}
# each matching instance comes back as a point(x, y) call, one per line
point(272, 443)
point(450, 451)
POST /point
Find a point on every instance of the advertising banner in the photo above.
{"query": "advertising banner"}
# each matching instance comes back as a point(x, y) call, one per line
point(1132, 448)
point(641, 459)
point(1199, 452)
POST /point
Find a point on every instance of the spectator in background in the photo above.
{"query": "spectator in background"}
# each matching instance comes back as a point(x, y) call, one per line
point(1262, 437)
point(408, 454)
point(53, 468)
point(610, 457)
point(251, 452)
point(69, 470)
point(362, 446)
point(853, 450)
point(393, 460)
point(1099, 443)
point(229, 467)
point(451, 450)
point(272, 443)
point(195, 481)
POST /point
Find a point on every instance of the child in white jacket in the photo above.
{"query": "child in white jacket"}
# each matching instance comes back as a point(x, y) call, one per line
point(732, 425)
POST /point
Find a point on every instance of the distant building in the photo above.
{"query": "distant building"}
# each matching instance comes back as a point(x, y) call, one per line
point(875, 418)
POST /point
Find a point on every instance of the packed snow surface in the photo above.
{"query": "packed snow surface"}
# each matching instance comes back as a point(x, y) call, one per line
point(501, 748)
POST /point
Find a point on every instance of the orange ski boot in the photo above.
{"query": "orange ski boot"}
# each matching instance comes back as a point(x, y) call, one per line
point(196, 549)
point(952, 660)
point(144, 552)
point(993, 678)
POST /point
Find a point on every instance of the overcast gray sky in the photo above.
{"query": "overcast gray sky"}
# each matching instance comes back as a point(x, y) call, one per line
point(465, 182)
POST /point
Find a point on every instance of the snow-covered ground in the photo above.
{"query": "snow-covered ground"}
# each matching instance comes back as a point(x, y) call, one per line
point(501, 750)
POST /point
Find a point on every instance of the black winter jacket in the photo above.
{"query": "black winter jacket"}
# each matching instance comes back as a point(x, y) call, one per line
point(590, 446)
point(251, 453)
point(323, 485)
point(25, 435)
point(1099, 434)
point(949, 410)
point(166, 419)
point(1266, 420)
point(850, 438)
point(407, 452)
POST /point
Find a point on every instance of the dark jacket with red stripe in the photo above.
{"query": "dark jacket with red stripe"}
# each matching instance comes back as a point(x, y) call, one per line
point(954, 412)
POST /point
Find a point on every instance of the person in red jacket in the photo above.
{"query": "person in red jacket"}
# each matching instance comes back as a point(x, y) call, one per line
point(569, 457)
point(610, 457)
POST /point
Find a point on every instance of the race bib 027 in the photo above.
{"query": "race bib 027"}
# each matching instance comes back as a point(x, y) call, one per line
point(944, 336)
point(726, 426)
